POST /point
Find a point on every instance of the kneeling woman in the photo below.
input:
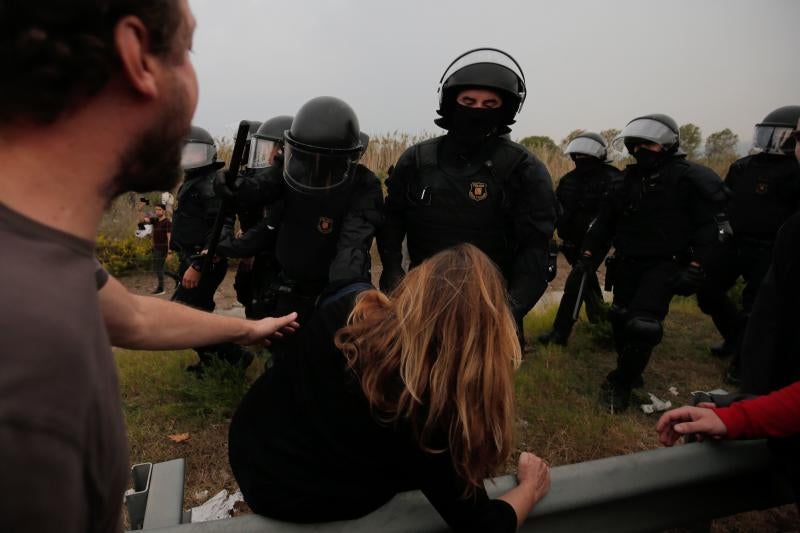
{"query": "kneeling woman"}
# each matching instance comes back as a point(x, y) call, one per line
point(379, 395)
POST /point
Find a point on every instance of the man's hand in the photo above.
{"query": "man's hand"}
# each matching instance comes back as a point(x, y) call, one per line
point(191, 278)
point(262, 330)
point(221, 188)
point(687, 420)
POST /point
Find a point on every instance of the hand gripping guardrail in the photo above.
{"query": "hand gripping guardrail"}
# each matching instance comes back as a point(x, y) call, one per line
point(644, 491)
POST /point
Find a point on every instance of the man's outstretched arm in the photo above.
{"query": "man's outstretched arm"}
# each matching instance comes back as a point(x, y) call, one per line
point(148, 323)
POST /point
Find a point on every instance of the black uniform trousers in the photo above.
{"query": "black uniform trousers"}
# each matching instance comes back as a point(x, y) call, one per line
point(642, 290)
point(592, 297)
point(202, 297)
point(741, 257)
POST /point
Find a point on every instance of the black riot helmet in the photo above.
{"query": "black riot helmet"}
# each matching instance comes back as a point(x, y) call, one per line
point(656, 128)
point(487, 68)
point(198, 149)
point(364, 138)
point(322, 146)
point(773, 135)
point(267, 137)
point(587, 144)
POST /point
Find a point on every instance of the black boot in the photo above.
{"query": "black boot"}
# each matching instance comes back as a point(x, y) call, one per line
point(553, 336)
point(615, 396)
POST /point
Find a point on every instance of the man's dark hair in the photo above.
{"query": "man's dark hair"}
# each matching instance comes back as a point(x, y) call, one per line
point(162, 206)
point(54, 54)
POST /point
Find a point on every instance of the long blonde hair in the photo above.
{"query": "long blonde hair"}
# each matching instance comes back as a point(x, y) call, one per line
point(440, 353)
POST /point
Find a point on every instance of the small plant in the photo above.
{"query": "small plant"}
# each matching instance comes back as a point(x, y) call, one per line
point(122, 255)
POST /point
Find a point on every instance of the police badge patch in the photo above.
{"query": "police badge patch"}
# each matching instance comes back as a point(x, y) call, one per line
point(325, 225)
point(477, 191)
point(762, 187)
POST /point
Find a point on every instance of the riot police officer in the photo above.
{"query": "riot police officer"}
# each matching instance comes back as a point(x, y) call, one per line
point(324, 208)
point(191, 232)
point(766, 192)
point(661, 219)
point(473, 184)
point(579, 192)
point(265, 148)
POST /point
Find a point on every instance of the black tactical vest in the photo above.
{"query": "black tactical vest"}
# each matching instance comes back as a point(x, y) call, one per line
point(446, 209)
point(308, 232)
point(653, 211)
point(579, 192)
point(766, 192)
point(193, 219)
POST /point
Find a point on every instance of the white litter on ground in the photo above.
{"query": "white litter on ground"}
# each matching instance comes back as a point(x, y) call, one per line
point(657, 406)
point(218, 507)
point(674, 391)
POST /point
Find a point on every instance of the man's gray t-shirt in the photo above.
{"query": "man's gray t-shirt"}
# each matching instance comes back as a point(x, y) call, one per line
point(63, 450)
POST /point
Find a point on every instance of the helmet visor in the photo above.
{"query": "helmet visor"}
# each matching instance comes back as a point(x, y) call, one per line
point(261, 153)
point(586, 146)
point(774, 139)
point(647, 129)
point(487, 55)
point(311, 172)
point(196, 155)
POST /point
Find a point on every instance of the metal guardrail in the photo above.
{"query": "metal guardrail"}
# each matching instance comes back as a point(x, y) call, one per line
point(645, 491)
point(157, 500)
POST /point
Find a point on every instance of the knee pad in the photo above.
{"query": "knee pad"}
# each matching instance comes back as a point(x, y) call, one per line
point(644, 331)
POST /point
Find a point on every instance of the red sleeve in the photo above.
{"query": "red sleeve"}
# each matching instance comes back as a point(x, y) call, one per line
point(774, 415)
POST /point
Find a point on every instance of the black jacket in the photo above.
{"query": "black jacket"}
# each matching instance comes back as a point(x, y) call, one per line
point(498, 197)
point(766, 192)
point(665, 213)
point(196, 212)
point(318, 238)
point(579, 193)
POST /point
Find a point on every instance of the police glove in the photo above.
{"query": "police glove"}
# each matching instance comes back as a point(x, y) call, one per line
point(688, 281)
point(585, 263)
point(221, 187)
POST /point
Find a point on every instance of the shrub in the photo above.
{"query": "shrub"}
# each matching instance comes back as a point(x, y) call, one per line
point(122, 255)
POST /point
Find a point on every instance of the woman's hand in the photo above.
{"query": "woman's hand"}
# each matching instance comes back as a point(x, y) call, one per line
point(533, 473)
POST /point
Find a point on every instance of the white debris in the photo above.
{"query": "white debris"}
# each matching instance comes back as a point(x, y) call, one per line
point(218, 507)
point(674, 391)
point(656, 406)
point(201, 495)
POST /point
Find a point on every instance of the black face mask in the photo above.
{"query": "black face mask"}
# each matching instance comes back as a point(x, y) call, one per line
point(585, 162)
point(649, 159)
point(471, 122)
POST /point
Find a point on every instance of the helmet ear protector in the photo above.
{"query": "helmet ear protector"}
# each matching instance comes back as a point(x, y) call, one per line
point(485, 55)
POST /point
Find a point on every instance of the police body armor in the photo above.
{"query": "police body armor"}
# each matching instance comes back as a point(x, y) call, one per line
point(448, 208)
point(308, 234)
point(580, 192)
point(766, 192)
point(197, 206)
point(653, 221)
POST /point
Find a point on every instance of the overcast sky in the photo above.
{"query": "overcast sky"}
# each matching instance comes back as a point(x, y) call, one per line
point(588, 64)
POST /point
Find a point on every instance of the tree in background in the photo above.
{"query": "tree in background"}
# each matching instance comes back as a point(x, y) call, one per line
point(536, 143)
point(609, 135)
point(721, 144)
point(691, 139)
